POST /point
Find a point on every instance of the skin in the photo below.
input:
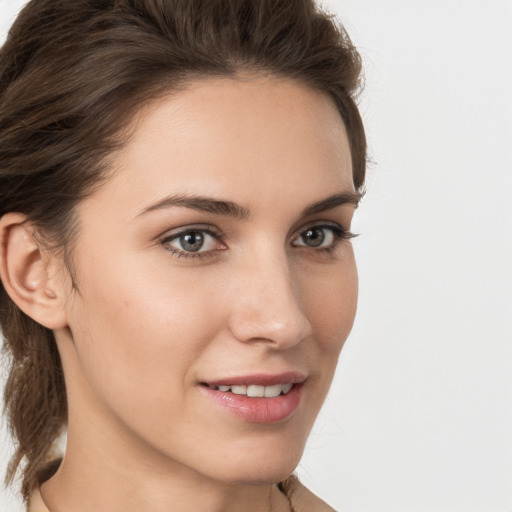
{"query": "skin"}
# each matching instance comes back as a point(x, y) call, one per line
point(149, 324)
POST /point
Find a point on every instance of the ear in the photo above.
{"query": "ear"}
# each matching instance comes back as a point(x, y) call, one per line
point(28, 273)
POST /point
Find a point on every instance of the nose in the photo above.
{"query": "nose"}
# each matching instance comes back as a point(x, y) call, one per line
point(266, 304)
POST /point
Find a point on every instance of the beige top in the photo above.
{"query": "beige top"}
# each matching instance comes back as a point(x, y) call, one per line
point(301, 499)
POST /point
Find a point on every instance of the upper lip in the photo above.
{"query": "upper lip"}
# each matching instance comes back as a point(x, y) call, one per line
point(259, 379)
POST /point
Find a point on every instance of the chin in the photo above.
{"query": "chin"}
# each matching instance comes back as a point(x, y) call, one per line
point(258, 466)
point(250, 475)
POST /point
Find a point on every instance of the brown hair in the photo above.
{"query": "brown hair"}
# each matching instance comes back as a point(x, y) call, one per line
point(72, 75)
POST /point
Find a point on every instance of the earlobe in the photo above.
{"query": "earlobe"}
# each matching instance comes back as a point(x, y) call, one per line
point(25, 271)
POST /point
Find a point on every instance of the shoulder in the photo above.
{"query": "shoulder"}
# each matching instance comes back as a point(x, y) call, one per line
point(301, 498)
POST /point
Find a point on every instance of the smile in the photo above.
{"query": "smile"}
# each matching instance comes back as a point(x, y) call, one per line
point(272, 400)
point(256, 391)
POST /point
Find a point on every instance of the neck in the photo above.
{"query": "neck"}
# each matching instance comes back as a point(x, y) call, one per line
point(86, 491)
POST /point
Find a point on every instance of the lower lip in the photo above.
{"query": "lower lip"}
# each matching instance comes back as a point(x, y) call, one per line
point(258, 410)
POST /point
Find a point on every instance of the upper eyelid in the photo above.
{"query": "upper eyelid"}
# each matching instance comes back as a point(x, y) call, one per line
point(208, 228)
point(320, 223)
point(176, 232)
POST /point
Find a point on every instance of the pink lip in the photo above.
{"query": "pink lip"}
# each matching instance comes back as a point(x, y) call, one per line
point(258, 410)
point(259, 379)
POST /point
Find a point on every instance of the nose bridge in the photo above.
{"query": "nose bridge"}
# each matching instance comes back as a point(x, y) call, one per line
point(267, 304)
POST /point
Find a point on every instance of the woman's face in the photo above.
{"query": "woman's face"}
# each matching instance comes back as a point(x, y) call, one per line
point(215, 262)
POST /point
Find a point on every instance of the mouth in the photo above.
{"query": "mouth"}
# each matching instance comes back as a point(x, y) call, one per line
point(255, 390)
point(258, 398)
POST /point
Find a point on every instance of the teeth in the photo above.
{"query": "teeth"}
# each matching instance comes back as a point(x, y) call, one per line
point(273, 391)
point(286, 388)
point(239, 390)
point(255, 391)
point(258, 391)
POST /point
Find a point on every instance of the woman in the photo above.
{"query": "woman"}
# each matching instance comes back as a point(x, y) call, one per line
point(177, 183)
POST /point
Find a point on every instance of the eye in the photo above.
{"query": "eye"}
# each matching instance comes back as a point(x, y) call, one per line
point(193, 242)
point(324, 236)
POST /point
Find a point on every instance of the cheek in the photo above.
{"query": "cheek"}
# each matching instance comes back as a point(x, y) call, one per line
point(137, 337)
point(331, 303)
point(331, 309)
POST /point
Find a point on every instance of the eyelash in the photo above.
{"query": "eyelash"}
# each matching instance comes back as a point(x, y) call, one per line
point(339, 235)
point(191, 255)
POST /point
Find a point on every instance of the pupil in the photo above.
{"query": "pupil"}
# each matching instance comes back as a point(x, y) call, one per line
point(314, 237)
point(192, 241)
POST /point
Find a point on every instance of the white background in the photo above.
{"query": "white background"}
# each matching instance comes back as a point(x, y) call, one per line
point(420, 415)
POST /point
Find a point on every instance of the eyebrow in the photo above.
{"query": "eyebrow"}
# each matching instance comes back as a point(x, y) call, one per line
point(351, 198)
point(232, 209)
point(202, 204)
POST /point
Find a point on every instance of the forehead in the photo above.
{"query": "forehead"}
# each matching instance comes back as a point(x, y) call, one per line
point(252, 135)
